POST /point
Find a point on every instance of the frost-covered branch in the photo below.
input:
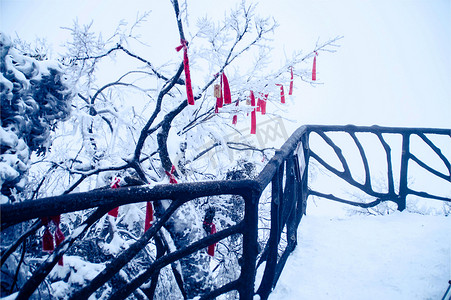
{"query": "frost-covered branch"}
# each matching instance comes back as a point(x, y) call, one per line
point(234, 146)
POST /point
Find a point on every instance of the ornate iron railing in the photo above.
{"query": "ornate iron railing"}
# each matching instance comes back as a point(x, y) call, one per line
point(287, 173)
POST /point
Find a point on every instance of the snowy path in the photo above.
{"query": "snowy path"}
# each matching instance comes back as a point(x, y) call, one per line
point(398, 256)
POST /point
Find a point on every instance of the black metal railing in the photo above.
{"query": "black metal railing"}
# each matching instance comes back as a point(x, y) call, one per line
point(287, 174)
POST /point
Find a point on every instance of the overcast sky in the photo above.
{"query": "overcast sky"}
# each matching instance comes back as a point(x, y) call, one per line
point(393, 67)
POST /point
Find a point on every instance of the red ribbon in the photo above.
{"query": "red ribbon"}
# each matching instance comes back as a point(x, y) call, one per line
point(47, 238)
point(171, 175)
point(211, 248)
point(227, 95)
point(261, 104)
point(189, 90)
point(114, 212)
point(218, 104)
point(253, 115)
point(149, 206)
point(59, 236)
point(314, 67)
point(282, 93)
point(114, 185)
point(291, 83)
point(235, 117)
point(149, 216)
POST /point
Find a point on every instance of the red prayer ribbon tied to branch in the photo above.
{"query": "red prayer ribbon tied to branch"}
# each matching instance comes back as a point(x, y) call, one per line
point(235, 117)
point(114, 185)
point(149, 216)
point(189, 90)
point(253, 114)
point(282, 93)
point(211, 248)
point(171, 175)
point(291, 83)
point(149, 206)
point(47, 238)
point(314, 67)
point(261, 103)
point(227, 94)
point(222, 97)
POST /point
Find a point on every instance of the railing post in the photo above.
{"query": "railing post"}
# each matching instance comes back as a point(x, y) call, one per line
point(250, 246)
point(288, 217)
point(403, 189)
point(266, 284)
point(291, 199)
point(303, 156)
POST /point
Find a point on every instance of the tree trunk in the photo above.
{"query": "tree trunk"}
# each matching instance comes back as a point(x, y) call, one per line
point(185, 228)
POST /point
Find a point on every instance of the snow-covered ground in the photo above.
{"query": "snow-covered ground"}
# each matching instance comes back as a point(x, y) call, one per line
point(397, 256)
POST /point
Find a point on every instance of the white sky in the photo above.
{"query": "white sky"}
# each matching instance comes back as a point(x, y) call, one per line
point(393, 67)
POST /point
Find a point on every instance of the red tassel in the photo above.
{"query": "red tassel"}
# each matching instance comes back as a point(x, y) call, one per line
point(114, 212)
point(47, 237)
point(253, 122)
point(314, 67)
point(59, 238)
point(47, 241)
point(252, 98)
point(218, 104)
point(253, 115)
point(56, 220)
point(282, 93)
point(291, 83)
point(227, 95)
point(263, 105)
point(149, 216)
point(114, 185)
point(189, 90)
point(235, 117)
point(171, 175)
point(211, 248)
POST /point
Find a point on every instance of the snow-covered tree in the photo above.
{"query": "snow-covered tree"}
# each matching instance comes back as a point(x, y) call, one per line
point(140, 129)
point(34, 97)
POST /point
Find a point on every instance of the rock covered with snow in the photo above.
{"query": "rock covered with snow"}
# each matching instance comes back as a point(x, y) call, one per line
point(34, 96)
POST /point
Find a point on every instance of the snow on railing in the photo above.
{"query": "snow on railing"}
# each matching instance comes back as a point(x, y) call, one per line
point(287, 173)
